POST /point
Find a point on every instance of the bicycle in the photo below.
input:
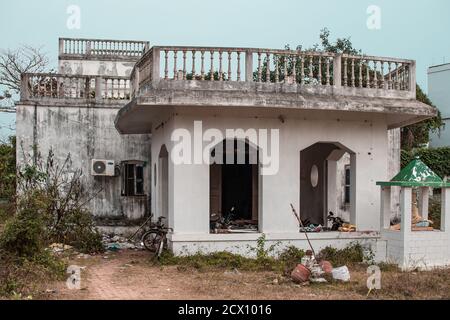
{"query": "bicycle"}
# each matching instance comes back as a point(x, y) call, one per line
point(155, 239)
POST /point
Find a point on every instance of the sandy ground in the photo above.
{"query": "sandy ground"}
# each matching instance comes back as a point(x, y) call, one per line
point(129, 274)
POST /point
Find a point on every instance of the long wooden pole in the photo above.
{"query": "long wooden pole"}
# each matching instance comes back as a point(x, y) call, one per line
point(300, 223)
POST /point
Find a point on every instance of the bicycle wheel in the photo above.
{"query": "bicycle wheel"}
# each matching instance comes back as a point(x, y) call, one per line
point(152, 240)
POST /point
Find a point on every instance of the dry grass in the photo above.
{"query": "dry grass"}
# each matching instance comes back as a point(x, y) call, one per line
point(130, 275)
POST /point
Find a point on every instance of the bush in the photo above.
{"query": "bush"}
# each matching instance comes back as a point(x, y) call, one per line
point(24, 234)
point(8, 169)
point(350, 255)
point(435, 158)
point(21, 276)
point(285, 261)
point(50, 208)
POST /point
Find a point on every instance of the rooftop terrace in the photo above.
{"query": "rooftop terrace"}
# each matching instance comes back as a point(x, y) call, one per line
point(181, 76)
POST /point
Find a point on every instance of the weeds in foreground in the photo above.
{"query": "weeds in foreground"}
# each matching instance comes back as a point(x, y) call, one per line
point(23, 277)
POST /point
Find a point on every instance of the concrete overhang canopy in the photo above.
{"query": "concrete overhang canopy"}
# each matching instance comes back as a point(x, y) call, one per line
point(416, 174)
point(142, 112)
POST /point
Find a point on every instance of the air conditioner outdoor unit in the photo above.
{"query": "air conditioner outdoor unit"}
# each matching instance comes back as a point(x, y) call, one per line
point(101, 167)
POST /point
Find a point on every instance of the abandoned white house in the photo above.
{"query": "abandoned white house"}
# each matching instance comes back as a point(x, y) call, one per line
point(324, 128)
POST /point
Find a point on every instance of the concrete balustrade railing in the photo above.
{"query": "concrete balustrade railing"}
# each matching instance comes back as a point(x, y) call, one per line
point(98, 47)
point(58, 86)
point(309, 68)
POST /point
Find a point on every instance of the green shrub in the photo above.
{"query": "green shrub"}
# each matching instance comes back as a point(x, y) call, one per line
point(436, 158)
point(286, 260)
point(290, 257)
point(21, 277)
point(434, 211)
point(50, 208)
point(24, 234)
point(350, 255)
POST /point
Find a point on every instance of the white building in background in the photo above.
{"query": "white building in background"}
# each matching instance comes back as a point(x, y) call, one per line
point(439, 93)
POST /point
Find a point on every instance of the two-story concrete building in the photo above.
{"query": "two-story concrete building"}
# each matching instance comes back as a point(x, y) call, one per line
point(221, 141)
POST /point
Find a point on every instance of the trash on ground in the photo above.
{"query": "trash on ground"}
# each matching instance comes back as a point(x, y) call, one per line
point(341, 274)
point(59, 247)
point(116, 243)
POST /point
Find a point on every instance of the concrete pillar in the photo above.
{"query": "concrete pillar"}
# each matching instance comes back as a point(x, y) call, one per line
point(423, 201)
point(445, 209)
point(337, 70)
point(353, 189)
point(331, 187)
point(248, 66)
point(155, 72)
point(385, 217)
point(405, 209)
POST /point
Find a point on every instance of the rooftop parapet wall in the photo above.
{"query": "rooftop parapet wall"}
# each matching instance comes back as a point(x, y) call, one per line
point(53, 87)
point(357, 75)
point(101, 49)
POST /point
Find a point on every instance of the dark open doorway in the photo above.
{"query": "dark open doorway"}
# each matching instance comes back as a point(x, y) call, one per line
point(234, 191)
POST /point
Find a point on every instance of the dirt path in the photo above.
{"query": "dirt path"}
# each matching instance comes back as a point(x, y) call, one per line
point(126, 275)
point(129, 275)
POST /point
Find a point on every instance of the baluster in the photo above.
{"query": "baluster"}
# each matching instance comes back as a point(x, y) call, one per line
point(396, 81)
point(267, 67)
point(259, 68)
point(302, 69)
point(212, 65)
point(382, 75)
point(328, 71)
point(319, 76)
point(184, 64)
point(360, 73)
point(277, 75)
point(229, 66)
point(345, 72)
point(285, 68)
point(166, 65)
point(389, 84)
point(220, 66)
point(294, 69)
point(368, 74)
point(175, 73)
point(238, 66)
point(375, 76)
point(193, 65)
point(202, 70)
point(353, 72)
point(78, 89)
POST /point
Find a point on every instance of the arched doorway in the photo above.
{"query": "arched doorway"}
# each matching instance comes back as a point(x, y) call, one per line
point(234, 187)
point(327, 170)
point(163, 182)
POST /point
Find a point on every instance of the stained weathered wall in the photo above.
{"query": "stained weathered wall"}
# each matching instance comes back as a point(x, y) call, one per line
point(86, 132)
point(96, 67)
point(189, 184)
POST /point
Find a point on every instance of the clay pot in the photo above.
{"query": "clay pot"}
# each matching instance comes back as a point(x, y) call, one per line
point(326, 266)
point(300, 274)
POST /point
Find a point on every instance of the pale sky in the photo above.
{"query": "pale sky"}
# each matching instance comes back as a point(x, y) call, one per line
point(409, 29)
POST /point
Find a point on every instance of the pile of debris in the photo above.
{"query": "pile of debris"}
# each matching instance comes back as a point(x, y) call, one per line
point(116, 243)
point(229, 224)
point(312, 270)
